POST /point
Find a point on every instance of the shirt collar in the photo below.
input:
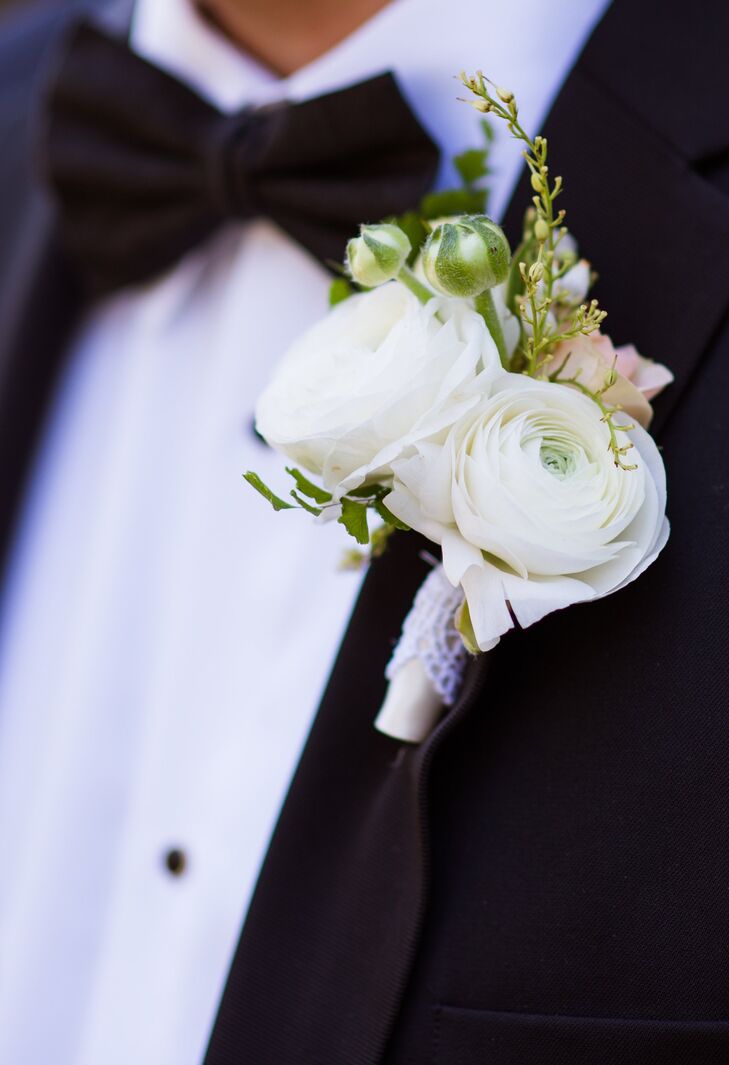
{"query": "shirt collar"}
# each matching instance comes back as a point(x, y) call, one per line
point(175, 36)
point(424, 42)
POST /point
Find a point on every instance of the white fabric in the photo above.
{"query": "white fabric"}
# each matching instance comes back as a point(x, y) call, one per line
point(412, 707)
point(165, 636)
point(427, 666)
point(429, 633)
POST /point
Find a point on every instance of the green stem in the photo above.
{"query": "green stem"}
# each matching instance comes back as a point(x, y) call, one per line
point(487, 309)
point(408, 278)
point(607, 417)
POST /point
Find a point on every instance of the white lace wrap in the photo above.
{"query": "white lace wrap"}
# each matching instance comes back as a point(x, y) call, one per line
point(426, 669)
point(429, 633)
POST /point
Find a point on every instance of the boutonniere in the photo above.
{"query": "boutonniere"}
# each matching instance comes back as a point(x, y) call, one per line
point(470, 394)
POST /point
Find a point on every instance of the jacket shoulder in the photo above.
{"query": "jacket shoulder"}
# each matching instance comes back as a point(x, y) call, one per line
point(26, 33)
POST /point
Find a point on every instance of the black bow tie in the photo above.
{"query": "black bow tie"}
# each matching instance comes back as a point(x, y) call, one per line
point(144, 169)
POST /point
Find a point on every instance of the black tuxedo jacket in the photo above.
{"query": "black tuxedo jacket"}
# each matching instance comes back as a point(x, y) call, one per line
point(546, 879)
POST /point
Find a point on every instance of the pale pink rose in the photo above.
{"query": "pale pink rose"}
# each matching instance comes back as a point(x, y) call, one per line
point(648, 376)
point(639, 379)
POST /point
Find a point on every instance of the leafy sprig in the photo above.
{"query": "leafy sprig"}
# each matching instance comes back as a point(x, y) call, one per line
point(546, 315)
point(539, 276)
point(608, 410)
point(353, 509)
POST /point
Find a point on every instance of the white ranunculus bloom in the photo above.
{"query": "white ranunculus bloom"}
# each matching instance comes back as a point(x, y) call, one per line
point(529, 507)
point(379, 374)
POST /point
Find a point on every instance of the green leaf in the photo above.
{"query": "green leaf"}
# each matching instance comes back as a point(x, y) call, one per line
point(380, 539)
point(339, 290)
point(354, 520)
point(453, 201)
point(471, 164)
point(369, 491)
point(255, 482)
point(488, 130)
point(411, 225)
point(525, 253)
point(464, 625)
point(316, 511)
point(307, 488)
point(387, 516)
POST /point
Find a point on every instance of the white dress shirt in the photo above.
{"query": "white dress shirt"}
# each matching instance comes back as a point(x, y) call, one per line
point(165, 635)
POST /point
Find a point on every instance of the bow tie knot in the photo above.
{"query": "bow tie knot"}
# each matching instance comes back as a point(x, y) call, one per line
point(228, 181)
point(144, 170)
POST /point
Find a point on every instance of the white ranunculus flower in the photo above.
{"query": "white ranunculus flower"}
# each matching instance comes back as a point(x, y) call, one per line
point(529, 507)
point(379, 374)
point(510, 324)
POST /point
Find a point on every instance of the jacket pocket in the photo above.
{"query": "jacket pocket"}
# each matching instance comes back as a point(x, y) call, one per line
point(485, 1037)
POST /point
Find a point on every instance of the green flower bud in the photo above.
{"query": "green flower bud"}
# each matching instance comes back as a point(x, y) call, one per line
point(377, 255)
point(466, 257)
point(541, 230)
point(536, 272)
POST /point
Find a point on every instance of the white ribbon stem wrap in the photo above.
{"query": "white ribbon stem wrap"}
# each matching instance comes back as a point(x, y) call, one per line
point(427, 666)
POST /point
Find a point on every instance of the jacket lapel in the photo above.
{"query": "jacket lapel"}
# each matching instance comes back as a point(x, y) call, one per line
point(333, 927)
point(330, 938)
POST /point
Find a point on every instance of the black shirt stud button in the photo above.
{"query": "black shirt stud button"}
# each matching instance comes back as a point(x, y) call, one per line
point(175, 861)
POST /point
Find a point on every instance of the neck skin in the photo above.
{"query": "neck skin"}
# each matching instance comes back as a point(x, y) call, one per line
point(285, 35)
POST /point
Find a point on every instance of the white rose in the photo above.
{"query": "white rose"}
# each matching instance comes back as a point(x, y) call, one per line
point(529, 507)
point(377, 375)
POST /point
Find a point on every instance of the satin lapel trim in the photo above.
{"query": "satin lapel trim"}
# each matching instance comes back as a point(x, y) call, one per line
point(655, 230)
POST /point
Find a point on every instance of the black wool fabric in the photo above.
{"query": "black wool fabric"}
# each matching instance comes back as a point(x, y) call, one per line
point(144, 169)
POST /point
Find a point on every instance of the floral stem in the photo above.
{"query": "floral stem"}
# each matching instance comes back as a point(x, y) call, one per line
point(408, 278)
point(487, 309)
point(608, 412)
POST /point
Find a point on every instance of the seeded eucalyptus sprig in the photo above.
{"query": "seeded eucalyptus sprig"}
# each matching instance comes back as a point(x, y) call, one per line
point(538, 266)
point(608, 411)
point(539, 277)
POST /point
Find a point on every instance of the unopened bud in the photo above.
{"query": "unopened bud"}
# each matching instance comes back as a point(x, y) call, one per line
point(481, 105)
point(466, 257)
point(378, 254)
point(536, 272)
point(504, 95)
point(536, 182)
point(541, 230)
